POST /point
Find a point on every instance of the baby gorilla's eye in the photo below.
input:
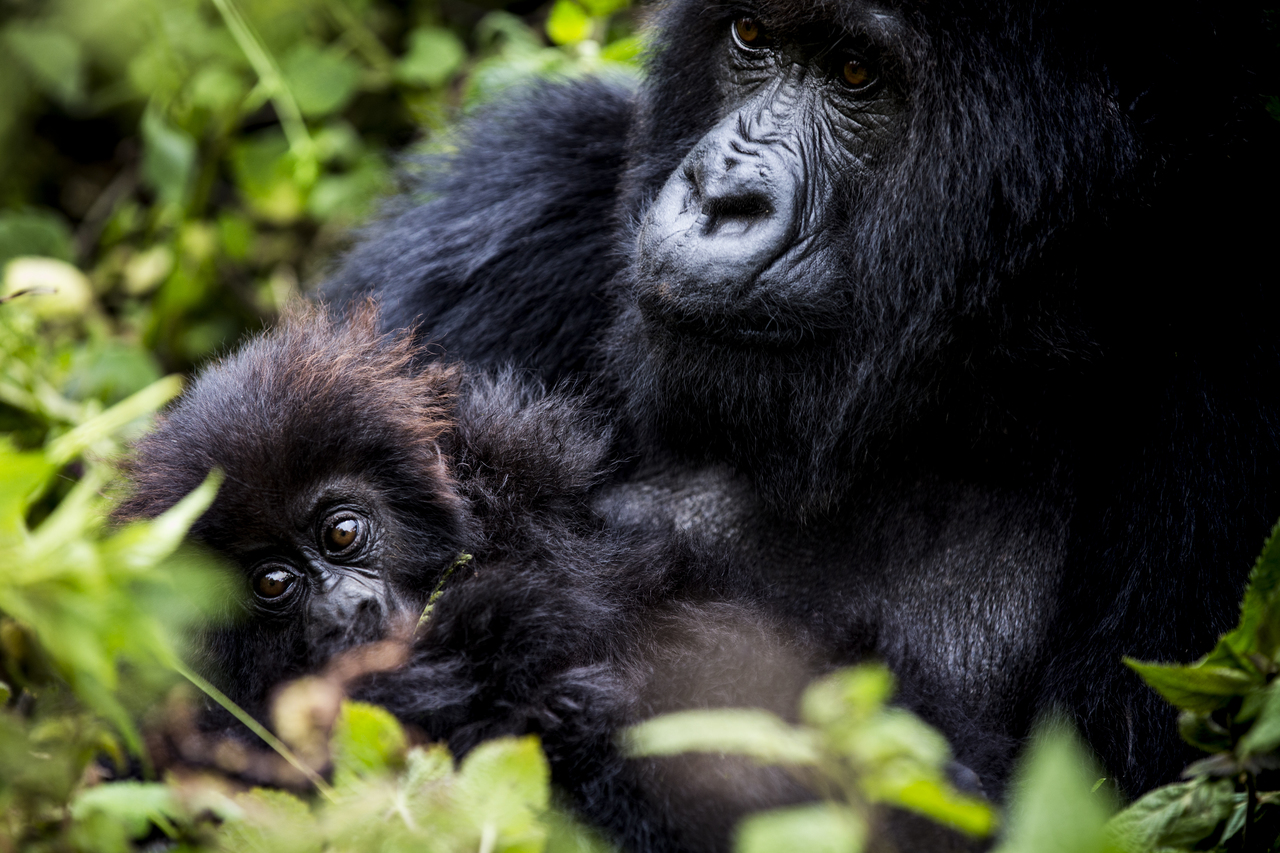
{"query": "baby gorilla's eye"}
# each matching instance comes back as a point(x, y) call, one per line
point(748, 33)
point(274, 584)
point(342, 534)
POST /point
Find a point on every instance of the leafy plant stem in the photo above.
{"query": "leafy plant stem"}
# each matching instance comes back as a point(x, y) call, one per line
point(1250, 808)
point(364, 40)
point(254, 726)
point(264, 64)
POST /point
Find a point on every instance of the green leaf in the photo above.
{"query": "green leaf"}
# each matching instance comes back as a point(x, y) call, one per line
point(348, 197)
point(504, 786)
point(847, 696)
point(367, 741)
point(142, 545)
point(1259, 629)
point(568, 23)
point(53, 59)
point(33, 232)
point(941, 803)
point(742, 731)
point(433, 56)
point(1264, 735)
point(168, 157)
point(322, 81)
point(1052, 807)
point(265, 172)
point(23, 475)
point(602, 8)
point(626, 51)
point(1197, 687)
point(821, 828)
point(133, 806)
point(1174, 817)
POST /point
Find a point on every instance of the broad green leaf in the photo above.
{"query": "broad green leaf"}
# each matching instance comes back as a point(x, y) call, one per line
point(821, 828)
point(168, 157)
point(53, 59)
point(142, 545)
point(1264, 735)
point(847, 696)
point(217, 88)
point(367, 741)
point(601, 8)
point(504, 786)
point(33, 232)
point(427, 765)
point(67, 447)
point(1196, 687)
point(434, 55)
point(131, 805)
point(23, 475)
point(566, 835)
point(742, 731)
point(265, 173)
point(568, 23)
point(322, 80)
point(626, 51)
point(941, 803)
point(1174, 817)
point(1053, 808)
point(1259, 629)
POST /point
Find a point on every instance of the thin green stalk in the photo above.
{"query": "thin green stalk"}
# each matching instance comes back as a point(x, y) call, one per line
point(264, 64)
point(461, 560)
point(257, 728)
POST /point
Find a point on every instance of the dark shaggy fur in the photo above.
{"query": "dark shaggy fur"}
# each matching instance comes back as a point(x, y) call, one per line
point(1029, 424)
point(558, 625)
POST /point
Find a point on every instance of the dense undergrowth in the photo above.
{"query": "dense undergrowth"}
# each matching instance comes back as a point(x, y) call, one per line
point(170, 170)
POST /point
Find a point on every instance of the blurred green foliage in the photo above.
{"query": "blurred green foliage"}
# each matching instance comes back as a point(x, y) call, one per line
point(197, 159)
point(170, 171)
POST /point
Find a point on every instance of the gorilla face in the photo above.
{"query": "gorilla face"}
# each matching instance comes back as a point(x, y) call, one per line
point(338, 511)
point(858, 187)
point(733, 248)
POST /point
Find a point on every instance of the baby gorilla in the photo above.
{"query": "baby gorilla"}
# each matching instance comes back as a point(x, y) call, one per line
point(356, 480)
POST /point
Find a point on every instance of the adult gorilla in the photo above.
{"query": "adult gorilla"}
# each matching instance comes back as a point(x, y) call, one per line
point(950, 317)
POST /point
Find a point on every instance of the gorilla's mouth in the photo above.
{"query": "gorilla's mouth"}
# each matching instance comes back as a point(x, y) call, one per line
point(734, 329)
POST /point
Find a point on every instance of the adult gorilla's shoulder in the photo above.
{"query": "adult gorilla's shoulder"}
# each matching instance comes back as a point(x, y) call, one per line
point(507, 257)
point(952, 319)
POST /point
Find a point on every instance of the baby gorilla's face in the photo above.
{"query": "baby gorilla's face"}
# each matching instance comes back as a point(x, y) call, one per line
point(331, 560)
point(338, 509)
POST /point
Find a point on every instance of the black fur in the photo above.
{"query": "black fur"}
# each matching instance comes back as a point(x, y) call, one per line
point(558, 625)
point(1030, 425)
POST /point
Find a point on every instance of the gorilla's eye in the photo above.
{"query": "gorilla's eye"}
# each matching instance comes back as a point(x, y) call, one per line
point(856, 74)
point(274, 584)
point(748, 33)
point(342, 533)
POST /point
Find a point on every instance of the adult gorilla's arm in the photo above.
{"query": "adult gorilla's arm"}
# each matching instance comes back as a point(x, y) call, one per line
point(508, 259)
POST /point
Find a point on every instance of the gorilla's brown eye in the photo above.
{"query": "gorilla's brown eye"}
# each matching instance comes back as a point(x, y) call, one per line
point(341, 533)
point(748, 32)
point(273, 583)
point(856, 74)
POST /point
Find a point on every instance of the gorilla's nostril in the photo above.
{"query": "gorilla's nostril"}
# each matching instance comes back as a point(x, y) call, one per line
point(741, 208)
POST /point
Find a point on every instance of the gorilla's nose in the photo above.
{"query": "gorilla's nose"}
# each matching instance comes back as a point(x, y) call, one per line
point(733, 191)
point(723, 216)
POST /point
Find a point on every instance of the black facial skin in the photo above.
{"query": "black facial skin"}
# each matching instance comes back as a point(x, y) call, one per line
point(964, 362)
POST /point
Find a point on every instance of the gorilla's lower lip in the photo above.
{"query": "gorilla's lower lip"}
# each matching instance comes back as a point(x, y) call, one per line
point(731, 330)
